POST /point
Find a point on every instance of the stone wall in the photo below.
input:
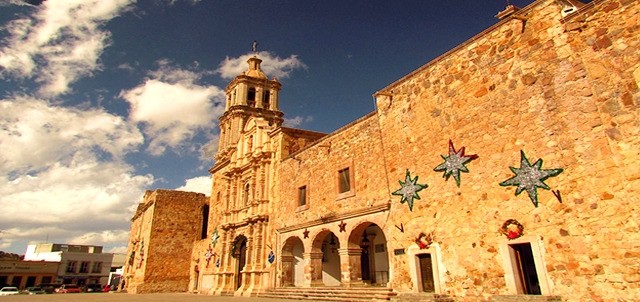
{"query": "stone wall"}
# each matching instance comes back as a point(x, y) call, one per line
point(166, 225)
point(563, 91)
point(565, 96)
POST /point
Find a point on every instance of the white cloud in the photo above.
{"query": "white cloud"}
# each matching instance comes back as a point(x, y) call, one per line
point(272, 66)
point(60, 43)
point(105, 237)
point(201, 184)
point(172, 107)
point(297, 121)
point(62, 170)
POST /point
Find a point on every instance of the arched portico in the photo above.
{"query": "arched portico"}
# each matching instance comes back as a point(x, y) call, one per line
point(293, 262)
point(324, 260)
point(367, 254)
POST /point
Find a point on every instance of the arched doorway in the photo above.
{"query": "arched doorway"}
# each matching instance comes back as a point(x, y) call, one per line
point(239, 251)
point(373, 261)
point(293, 262)
point(325, 260)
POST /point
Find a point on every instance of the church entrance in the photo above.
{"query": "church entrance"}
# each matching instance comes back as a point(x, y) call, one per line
point(373, 260)
point(240, 253)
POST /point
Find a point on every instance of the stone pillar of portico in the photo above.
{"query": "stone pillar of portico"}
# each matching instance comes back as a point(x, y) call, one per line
point(313, 269)
point(350, 270)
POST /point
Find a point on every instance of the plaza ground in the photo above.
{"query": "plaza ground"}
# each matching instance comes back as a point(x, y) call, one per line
point(121, 297)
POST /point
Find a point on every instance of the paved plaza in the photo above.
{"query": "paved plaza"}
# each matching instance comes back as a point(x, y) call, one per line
point(119, 297)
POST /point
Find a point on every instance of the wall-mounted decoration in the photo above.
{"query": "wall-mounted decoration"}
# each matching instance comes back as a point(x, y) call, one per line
point(342, 226)
point(455, 163)
point(215, 237)
point(141, 253)
point(305, 233)
point(400, 228)
point(557, 194)
point(208, 255)
point(218, 262)
point(530, 177)
point(272, 257)
point(236, 245)
point(409, 190)
point(398, 252)
point(424, 241)
point(512, 229)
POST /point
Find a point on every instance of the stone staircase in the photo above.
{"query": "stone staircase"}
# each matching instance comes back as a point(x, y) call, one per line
point(423, 297)
point(353, 294)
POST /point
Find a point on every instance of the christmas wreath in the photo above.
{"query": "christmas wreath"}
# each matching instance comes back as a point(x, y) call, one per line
point(235, 246)
point(512, 229)
point(424, 241)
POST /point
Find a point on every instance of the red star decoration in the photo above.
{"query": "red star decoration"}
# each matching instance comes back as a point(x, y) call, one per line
point(342, 226)
point(305, 233)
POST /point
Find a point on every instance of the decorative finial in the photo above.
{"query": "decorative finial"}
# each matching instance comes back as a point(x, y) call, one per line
point(254, 46)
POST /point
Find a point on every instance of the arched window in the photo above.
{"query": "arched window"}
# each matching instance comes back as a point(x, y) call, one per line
point(251, 97)
point(246, 191)
point(205, 221)
point(265, 99)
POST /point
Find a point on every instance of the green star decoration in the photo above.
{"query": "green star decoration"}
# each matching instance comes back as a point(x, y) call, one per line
point(454, 163)
point(530, 177)
point(214, 237)
point(409, 190)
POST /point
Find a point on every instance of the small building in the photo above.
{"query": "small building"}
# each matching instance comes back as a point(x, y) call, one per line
point(22, 274)
point(78, 264)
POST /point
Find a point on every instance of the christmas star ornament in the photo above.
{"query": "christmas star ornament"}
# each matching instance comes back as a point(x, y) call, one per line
point(409, 190)
point(214, 237)
point(454, 163)
point(530, 177)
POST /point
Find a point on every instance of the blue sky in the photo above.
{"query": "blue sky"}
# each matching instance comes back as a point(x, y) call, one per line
point(102, 100)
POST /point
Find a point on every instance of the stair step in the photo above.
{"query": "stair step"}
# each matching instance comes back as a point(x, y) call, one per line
point(358, 294)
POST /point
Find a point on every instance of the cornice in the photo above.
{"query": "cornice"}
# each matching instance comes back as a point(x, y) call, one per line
point(333, 218)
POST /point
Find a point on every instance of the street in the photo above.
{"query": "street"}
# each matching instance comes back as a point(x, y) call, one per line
point(122, 297)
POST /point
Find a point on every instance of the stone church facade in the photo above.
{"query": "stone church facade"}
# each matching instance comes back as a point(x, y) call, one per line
point(508, 166)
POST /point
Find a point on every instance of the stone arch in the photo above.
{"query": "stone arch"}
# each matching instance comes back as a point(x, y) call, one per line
point(325, 259)
point(371, 263)
point(293, 262)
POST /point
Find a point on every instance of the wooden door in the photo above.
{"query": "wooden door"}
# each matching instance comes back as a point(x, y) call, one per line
point(426, 273)
point(242, 261)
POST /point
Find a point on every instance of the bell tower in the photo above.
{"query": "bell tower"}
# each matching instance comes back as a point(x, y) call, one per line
point(250, 94)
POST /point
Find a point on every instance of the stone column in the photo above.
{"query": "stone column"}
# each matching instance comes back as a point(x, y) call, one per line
point(313, 269)
point(350, 269)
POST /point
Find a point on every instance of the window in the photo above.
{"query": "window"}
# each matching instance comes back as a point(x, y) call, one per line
point(84, 267)
point(205, 221)
point(71, 266)
point(97, 267)
point(302, 196)
point(344, 181)
point(251, 97)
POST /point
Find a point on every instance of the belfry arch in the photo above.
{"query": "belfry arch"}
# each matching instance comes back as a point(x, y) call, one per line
point(371, 263)
point(293, 262)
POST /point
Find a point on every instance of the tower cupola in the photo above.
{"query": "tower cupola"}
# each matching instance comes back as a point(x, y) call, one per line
point(250, 95)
